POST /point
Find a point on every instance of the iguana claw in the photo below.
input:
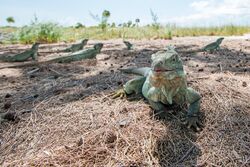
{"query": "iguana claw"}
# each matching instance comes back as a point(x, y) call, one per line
point(119, 93)
point(193, 121)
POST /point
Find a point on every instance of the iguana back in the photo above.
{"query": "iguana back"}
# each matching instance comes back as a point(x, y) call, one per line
point(77, 46)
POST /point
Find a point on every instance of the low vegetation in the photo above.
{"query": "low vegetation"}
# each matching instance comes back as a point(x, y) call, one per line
point(51, 32)
point(39, 32)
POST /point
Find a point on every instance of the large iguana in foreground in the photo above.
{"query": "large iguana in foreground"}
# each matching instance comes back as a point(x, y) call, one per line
point(77, 46)
point(76, 56)
point(208, 48)
point(20, 57)
point(164, 84)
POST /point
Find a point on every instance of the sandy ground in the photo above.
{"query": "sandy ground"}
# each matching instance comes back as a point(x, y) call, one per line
point(67, 118)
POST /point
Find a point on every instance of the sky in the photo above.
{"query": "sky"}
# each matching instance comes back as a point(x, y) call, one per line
point(179, 12)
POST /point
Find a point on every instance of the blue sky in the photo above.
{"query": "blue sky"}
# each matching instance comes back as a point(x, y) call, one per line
point(180, 12)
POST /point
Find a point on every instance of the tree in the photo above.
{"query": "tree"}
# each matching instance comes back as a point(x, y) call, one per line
point(155, 23)
point(113, 25)
point(10, 20)
point(105, 16)
point(79, 25)
point(124, 25)
point(129, 23)
point(137, 21)
point(35, 20)
point(103, 21)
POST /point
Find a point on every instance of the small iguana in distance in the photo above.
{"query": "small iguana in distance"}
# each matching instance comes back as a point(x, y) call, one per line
point(164, 84)
point(80, 55)
point(208, 48)
point(20, 57)
point(77, 46)
point(76, 56)
point(128, 44)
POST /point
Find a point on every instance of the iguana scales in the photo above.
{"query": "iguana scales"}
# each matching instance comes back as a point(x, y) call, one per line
point(76, 56)
point(163, 84)
point(20, 57)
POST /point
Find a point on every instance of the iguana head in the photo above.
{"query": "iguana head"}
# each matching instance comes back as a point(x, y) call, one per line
point(98, 46)
point(219, 40)
point(166, 61)
point(167, 64)
point(127, 43)
point(35, 46)
point(84, 41)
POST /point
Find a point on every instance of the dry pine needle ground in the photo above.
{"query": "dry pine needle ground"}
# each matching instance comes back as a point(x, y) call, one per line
point(74, 122)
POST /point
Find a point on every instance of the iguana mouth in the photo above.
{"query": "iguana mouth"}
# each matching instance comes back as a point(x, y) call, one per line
point(158, 70)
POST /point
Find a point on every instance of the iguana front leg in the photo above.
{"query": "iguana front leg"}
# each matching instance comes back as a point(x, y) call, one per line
point(160, 110)
point(132, 86)
point(194, 99)
point(34, 56)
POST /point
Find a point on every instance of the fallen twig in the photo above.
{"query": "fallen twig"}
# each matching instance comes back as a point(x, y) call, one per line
point(33, 71)
point(186, 154)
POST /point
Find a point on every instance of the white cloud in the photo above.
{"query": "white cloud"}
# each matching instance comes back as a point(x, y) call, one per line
point(198, 5)
point(208, 10)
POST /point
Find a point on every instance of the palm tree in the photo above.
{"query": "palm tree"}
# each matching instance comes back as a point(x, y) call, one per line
point(103, 20)
point(137, 21)
point(105, 16)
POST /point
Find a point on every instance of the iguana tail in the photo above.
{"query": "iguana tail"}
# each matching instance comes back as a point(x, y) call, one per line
point(138, 71)
point(5, 58)
point(65, 50)
point(24, 65)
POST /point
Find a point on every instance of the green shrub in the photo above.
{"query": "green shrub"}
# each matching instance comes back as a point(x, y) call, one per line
point(39, 32)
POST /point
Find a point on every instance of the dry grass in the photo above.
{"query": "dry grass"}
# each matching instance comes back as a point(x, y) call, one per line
point(75, 123)
point(50, 32)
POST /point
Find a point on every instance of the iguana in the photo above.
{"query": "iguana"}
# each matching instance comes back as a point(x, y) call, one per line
point(20, 57)
point(128, 44)
point(77, 46)
point(208, 48)
point(76, 56)
point(164, 84)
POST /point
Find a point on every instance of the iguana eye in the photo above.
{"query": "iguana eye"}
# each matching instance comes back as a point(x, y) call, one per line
point(174, 58)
